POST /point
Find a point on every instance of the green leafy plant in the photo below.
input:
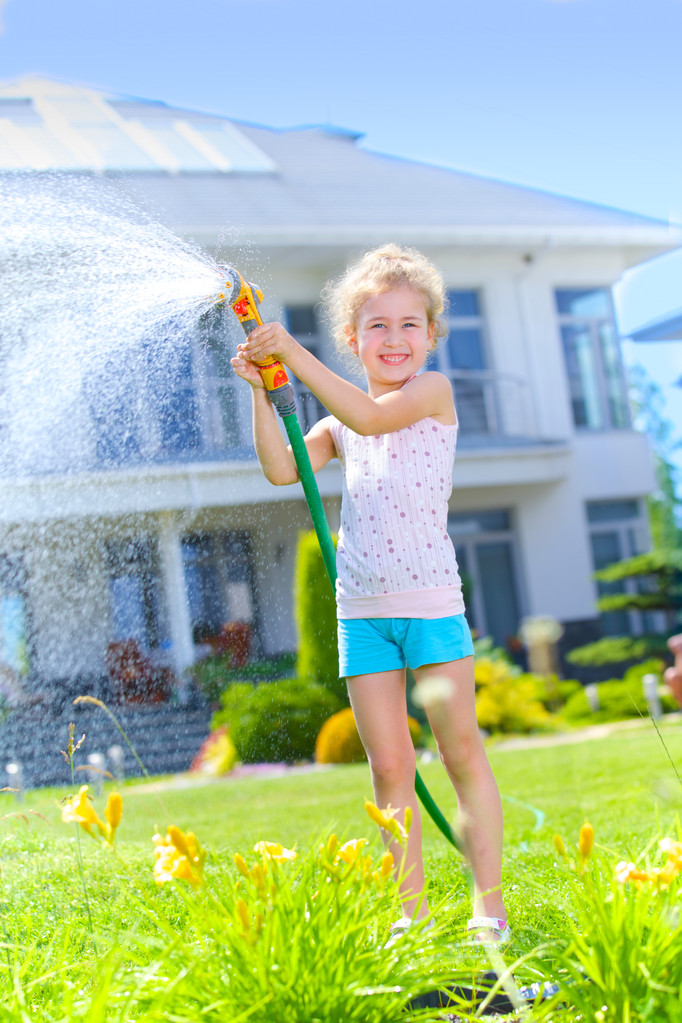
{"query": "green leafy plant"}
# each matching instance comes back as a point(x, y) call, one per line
point(621, 960)
point(658, 575)
point(618, 699)
point(275, 721)
point(315, 613)
point(214, 674)
point(298, 938)
point(507, 700)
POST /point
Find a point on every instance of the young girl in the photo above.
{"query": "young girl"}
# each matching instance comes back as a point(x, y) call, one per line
point(399, 595)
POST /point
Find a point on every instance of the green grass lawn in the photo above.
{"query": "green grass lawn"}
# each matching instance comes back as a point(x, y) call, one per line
point(624, 783)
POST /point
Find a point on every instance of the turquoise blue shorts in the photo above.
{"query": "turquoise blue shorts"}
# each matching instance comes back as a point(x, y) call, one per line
point(369, 645)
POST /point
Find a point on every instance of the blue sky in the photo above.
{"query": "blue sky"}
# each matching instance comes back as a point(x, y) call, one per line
point(580, 97)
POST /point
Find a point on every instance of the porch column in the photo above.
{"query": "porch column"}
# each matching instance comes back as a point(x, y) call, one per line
point(170, 554)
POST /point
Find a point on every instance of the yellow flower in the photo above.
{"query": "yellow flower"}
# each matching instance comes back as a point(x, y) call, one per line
point(626, 872)
point(178, 856)
point(380, 876)
point(257, 875)
point(244, 915)
point(350, 851)
point(79, 810)
point(250, 929)
point(387, 863)
point(674, 851)
point(559, 846)
point(332, 845)
point(242, 866)
point(274, 851)
point(665, 875)
point(386, 820)
point(113, 814)
point(586, 841)
point(483, 671)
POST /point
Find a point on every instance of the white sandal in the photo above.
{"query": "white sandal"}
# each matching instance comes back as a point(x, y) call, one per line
point(491, 923)
point(401, 927)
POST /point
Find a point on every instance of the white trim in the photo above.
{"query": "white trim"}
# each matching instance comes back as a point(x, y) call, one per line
point(656, 239)
point(202, 145)
point(267, 164)
point(74, 141)
point(24, 152)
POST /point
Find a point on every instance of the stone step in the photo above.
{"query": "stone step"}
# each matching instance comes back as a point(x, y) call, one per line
point(165, 738)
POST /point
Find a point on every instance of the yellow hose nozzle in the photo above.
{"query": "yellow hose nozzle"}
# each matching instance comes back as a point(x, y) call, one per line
point(244, 299)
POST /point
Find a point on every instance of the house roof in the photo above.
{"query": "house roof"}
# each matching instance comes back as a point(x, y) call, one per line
point(311, 185)
point(663, 328)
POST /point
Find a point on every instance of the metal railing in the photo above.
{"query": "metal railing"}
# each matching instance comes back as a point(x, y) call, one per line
point(490, 407)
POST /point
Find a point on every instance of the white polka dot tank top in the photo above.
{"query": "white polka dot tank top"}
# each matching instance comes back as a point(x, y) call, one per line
point(394, 557)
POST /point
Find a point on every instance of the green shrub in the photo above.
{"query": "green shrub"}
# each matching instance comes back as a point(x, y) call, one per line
point(214, 674)
point(508, 703)
point(506, 699)
point(275, 721)
point(619, 699)
point(315, 613)
point(617, 650)
point(567, 687)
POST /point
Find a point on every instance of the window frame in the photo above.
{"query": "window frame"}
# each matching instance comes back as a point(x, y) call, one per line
point(626, 529)
point(486, 535)
point(138, 556)
point(471, 379)
point(592, 324)
point(310, 408)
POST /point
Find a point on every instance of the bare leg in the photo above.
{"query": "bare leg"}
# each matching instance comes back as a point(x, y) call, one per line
point(378, 702)
point(453, 721)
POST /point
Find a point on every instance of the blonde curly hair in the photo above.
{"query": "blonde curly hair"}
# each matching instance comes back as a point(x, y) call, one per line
point(380, 270)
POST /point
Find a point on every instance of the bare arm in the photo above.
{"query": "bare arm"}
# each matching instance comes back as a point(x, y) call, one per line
point(275, 456)
point(429, 394)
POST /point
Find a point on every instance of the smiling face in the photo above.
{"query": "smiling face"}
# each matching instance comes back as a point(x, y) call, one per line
point(392, 338)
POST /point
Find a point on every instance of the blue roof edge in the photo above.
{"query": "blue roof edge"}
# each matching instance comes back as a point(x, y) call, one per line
point(663, 328)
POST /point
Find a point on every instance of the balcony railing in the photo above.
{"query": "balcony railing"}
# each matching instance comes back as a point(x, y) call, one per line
point(492, 408)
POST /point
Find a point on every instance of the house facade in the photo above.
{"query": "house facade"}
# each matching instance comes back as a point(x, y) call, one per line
point(157, 525)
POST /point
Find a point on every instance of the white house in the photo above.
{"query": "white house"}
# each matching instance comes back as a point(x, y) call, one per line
point(173, 532)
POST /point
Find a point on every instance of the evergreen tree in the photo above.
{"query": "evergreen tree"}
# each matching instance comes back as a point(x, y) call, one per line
point(658, 573)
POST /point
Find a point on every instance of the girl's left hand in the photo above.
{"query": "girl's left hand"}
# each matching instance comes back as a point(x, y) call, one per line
point(267, 341)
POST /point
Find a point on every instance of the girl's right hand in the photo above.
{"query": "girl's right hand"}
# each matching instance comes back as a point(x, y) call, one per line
point(269, 341)
point(247, 370)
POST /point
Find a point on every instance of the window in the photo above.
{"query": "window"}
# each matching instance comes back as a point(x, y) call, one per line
point(462, 357)
point(593, 360)
point(14, 630)
point(617, 531)
point(218, 386)
point(171, 376)
point(112, 395)
point(135, 592)
point(219, 580)
point(170, 398)
point(486, 555)
point(302, 323)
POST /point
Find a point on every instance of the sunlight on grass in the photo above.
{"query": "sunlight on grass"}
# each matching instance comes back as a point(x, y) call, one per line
point(154, 942)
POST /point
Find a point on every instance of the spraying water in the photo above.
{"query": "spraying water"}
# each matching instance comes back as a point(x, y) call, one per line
point(96, 312)
point(113, 355)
